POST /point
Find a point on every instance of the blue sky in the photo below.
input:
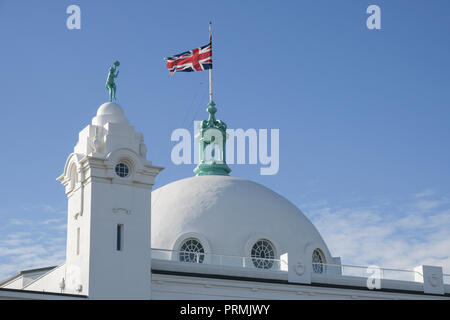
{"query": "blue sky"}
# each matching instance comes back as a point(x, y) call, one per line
point(363, 114)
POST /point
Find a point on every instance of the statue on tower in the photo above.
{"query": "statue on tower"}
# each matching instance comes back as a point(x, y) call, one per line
point(110, 84)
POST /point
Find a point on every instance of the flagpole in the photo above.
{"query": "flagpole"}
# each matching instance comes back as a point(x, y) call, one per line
point(210, 70)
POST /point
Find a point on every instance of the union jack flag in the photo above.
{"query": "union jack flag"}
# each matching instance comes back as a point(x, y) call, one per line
point(198, 59)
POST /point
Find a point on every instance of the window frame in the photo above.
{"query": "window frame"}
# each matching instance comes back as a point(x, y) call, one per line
point(318, 267)
point(120, 237)
point(264, 263)
point(201, 255)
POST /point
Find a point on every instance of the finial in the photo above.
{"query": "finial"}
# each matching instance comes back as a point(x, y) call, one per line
point(110, 84)
point(212, 136)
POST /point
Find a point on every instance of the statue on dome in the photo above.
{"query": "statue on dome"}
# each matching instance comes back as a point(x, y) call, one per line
point(212, 135)
point(110, 84)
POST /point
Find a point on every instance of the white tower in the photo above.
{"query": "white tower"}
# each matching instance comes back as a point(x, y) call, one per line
point(108, 185)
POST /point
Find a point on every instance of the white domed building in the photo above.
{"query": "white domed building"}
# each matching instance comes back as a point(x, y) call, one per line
point(233, 217)
point(210, 236)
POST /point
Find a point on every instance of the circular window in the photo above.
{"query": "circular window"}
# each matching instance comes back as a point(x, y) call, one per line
point(192, 251)
point(122, 170)
point(263, 254)
point(317, 261)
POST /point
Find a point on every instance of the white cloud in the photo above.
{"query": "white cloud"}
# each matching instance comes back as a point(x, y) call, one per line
point(427, 205)
point(51, 221)
point(45, 208)
point(18, 222)
point(423, 194)
point(411, 234)
point(15, 242)
point(38, 241)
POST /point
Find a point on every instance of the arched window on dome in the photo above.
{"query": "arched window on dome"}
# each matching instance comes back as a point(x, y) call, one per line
point(191, 250)
point(263, 254)
point(318, 261)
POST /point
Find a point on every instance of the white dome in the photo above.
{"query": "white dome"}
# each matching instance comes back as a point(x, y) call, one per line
point(109, 112)
point(228, 215)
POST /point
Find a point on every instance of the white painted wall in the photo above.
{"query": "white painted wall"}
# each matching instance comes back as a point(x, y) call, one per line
point(50, 282)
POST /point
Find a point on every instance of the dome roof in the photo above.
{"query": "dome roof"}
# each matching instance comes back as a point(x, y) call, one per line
point(109, 112)
point(228, 215)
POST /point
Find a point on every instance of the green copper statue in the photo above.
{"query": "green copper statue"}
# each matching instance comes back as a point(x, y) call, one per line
point(110, 85)
point(212, 135)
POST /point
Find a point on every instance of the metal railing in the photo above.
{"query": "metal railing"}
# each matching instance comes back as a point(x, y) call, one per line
point(280, 265)
point(366, 272)
point(219, 259)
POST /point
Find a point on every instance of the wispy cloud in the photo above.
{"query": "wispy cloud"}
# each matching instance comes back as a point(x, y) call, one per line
point(45, 208)
point(403, 236)
point(51, 221)
point(19, 222)
point(427, 205)
point(423, 194)
point(36, 241)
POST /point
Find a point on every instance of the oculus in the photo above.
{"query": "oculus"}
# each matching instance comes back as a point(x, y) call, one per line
point(122, 170)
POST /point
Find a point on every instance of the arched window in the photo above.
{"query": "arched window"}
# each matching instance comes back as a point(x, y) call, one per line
point(263, 254)
point(317, 261)
point(192, 251)
point(73, 176)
